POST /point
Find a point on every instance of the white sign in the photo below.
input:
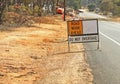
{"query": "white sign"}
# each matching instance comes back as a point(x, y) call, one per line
point(86, 38)
point(90, 27)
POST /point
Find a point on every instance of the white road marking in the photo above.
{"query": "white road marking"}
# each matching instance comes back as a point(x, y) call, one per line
point(110, 38)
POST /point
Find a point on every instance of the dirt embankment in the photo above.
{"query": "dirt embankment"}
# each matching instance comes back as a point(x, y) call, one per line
point(38, 55)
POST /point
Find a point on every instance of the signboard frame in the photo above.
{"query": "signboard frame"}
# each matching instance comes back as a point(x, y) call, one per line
point(79, 36)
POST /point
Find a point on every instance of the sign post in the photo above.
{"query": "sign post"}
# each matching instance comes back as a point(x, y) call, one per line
point(64, 10)
point(83, 31)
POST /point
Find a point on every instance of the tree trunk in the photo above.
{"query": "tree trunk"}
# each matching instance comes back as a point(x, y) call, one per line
point(39, 2)
point(0, 19)
point(2, 7)
point(57, 2)
point(54, 8)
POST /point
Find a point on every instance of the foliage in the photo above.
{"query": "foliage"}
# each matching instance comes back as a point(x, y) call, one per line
point(91, 7)
point(29, 7)
point(107, 6)
point(76, 4)
point(117, 2)
point(45, 7)
point(2, 7)
point(111, 6)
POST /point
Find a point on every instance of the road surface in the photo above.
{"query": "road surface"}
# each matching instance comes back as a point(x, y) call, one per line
point(105, 62)
point(91, 15)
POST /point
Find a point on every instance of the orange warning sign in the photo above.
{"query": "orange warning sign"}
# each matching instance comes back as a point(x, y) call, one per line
point(75, 27)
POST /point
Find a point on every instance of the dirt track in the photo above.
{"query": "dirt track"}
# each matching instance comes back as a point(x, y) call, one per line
point(38, 55)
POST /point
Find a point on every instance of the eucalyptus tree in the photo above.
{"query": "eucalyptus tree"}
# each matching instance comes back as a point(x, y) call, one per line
point(107, 5)
point(2, 8)
point(76, 4)
point(46, 6)
point(117, 2)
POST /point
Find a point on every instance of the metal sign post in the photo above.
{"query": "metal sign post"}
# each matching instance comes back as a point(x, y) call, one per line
point(64, 10)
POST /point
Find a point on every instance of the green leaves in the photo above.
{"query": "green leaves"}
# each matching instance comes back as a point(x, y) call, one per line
point(91, 7)
point(117, 2)
point(110, 6)
point(76, 4)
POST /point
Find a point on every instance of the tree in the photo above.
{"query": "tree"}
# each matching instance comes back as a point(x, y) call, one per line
point(107, 6)
point(76, 4)
point(117, 2)
point(91, 7)
point(110, 6)
point(2, 7)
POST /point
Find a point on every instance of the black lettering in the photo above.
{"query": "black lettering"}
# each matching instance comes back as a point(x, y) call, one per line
point(89, 38)
point(75, 28)
point(77, 39)
point(75, 23)
point(70, 39)
point(75, 32)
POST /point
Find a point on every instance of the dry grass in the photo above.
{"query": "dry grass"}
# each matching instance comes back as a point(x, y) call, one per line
point(35, 55)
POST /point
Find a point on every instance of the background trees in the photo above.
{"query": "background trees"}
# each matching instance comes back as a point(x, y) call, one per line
point(106, 6)
point(29, 7)
point(111, 6)
point(48, 7)
point(76, 4)
point(2, 7)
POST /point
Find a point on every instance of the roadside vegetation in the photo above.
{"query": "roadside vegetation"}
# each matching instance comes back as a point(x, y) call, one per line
point(107, 7)
point(33, 43)
point(24, 11)
point(23, 8)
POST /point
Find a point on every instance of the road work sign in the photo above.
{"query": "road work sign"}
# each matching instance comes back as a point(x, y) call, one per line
point(75, 28)
point(81, 31)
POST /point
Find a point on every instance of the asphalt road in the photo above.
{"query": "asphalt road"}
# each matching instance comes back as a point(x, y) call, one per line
point(91, 15)
point(104, 62)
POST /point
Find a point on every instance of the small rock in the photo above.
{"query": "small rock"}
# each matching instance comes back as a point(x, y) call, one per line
point(1, 75)
point(7, 50)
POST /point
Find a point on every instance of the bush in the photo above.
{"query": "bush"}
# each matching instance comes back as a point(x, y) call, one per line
point(91, 7)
